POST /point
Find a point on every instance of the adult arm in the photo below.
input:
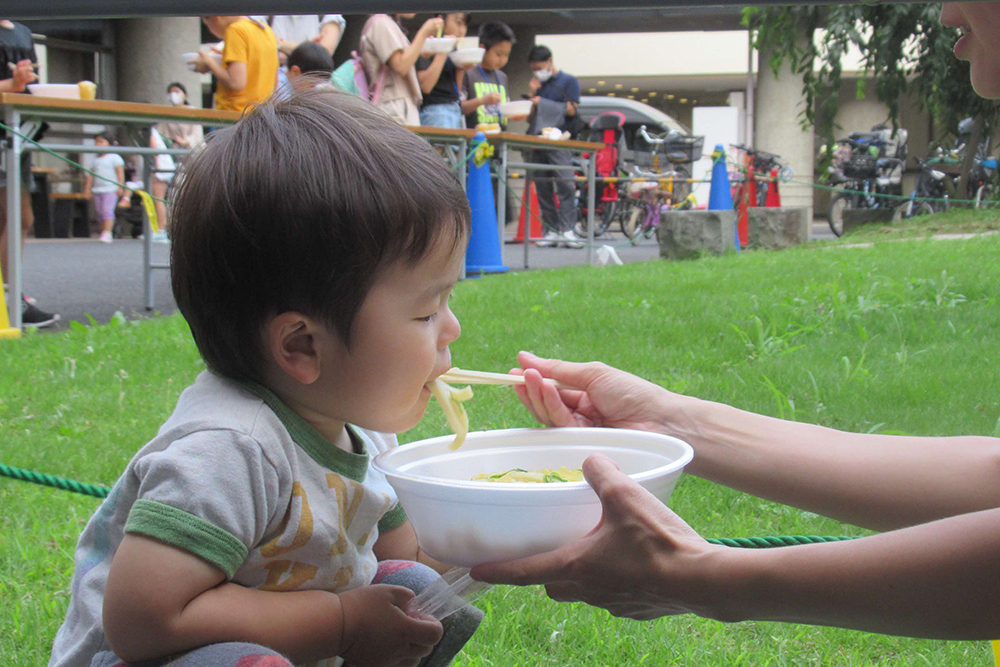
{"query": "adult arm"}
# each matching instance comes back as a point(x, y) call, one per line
point(881, 482)
point(643, 562)
point(572, 96)
point(330, 32)
point(120, 175)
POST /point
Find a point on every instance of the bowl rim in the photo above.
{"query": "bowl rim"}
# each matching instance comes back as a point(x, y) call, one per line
point(378, 462)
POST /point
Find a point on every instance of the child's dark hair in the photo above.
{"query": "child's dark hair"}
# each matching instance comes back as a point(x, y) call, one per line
point(299, 207)
point(179, 86)
point(491, 34)
point(311, 57)
point(107, 136)
point(539, 54)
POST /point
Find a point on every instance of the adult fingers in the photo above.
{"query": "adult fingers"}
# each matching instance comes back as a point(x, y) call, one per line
point(567, 372)
point(551, 400)
point(616, 490)
point(540, 569)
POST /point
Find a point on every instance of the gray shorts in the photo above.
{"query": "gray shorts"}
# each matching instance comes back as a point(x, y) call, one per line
point(27, 182)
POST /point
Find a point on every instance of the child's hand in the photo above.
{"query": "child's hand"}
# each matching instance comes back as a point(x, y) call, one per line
point(201, 65)
point(22, 74)
point(432, 27)
point(377, 631)
point(491, 98)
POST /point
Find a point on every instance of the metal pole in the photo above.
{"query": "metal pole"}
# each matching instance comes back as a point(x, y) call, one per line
point(13, 258)
point(463, 156)
point(147, 237)
point(527, 217)
point(591, 198)
point(120, 150)
point(502, 193)
point(751, 92)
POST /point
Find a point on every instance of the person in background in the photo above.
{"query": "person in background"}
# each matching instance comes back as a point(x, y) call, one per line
point(485, 86)
point(555, 95)
point(309, 58)
point(387, 53)
point(249, 70)
point(180, 135)
point(439, 80)
point(293, 31)
point(17, 70)
point(108, 187)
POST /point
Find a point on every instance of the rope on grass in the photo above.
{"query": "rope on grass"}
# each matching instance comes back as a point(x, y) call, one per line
point(102, 492)
point(53, 481)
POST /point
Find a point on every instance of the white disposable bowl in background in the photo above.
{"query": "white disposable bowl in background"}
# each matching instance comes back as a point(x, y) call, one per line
point(439, 44)
point(516, 108)
point(467, 56)
point(190, 57)
point(69, 91)
point(465, 523)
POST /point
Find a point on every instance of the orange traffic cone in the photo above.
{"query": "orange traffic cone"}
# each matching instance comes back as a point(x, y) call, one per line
point(773, 195)
point(749, 200)
point(534, 212)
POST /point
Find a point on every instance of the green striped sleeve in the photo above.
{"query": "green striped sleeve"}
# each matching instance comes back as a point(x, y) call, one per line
point(188, 532)
point(394, 518)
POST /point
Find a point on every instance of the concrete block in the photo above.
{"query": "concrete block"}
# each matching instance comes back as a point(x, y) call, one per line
point(778, 228)
point(685, 234)
point(854, 218)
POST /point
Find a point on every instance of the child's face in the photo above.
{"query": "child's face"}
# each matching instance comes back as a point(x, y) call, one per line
point(101, 141)
point(399, 344)
point(455, 25)
point(981, 44)
point(497, 55)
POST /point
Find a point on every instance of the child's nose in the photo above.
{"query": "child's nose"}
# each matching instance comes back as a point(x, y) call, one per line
point(451, 329)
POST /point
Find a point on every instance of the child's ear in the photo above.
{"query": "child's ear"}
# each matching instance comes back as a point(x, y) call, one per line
point(294, 72)
point(293, 346)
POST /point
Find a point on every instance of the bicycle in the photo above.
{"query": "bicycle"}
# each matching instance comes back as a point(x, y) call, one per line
point(763, 163)
point(866, 178)
point(646, 202)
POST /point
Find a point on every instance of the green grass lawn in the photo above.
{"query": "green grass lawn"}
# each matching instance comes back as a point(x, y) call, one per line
point(957, 221)
point(897, 338)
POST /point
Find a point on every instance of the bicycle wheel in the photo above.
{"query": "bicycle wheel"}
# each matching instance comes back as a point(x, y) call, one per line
point(604, 214)
point(835, 214)
point(904, 210)
point(633, 218)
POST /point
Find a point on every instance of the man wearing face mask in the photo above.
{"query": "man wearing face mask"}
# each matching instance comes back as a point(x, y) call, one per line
point(556, 96)
point(183, 135)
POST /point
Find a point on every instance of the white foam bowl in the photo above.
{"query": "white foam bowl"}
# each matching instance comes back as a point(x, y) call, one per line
point(516, 108)
point(467, 56)
point(465, 523)
point(192, 56)
point(439, 44)
point(69, 91)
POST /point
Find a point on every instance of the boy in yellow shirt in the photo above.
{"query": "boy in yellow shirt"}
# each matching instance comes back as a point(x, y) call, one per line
point(249, 70)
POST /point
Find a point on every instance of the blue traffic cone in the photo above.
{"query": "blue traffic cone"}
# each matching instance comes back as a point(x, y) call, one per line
point(483, 254)
point(720, 197)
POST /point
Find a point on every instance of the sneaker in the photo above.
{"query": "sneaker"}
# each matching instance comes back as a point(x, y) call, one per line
point(161, 237)
point(30, 299)
point(549, 240)
point(571, 240)
point(32, 316)
point(106, 237)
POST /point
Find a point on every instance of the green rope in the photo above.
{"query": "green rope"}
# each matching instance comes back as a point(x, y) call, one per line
point(55, 482)
point(75, 164)
point(102, 492)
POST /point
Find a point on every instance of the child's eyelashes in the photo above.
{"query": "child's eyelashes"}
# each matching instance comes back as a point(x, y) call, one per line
point(429, 318)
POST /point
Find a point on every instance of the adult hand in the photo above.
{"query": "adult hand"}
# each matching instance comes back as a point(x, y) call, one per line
point(641, 561)
point(22, 74)
point(378, 632)
point(601, 396)
point(533, 85)
point(534, 100)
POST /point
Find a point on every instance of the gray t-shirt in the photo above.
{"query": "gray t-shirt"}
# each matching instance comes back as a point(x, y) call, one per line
point(478, 82)
point(239, 480)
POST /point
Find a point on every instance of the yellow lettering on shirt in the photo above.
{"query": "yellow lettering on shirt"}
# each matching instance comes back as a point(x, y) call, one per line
point(347, 511)
point(304, 530)
point(297, 575)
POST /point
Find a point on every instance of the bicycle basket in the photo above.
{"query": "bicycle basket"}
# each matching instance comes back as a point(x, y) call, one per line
point(692, 146)
point(861, 166)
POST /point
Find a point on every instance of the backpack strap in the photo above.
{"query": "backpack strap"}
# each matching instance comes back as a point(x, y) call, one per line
point(379, 85)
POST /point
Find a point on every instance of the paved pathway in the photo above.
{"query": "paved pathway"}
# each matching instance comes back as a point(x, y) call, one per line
point(80, 277)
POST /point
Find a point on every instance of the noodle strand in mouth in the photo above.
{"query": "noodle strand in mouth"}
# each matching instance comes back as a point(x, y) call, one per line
point(451, 400)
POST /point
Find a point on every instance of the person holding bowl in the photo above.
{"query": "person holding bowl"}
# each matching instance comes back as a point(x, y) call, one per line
point(930, 574)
